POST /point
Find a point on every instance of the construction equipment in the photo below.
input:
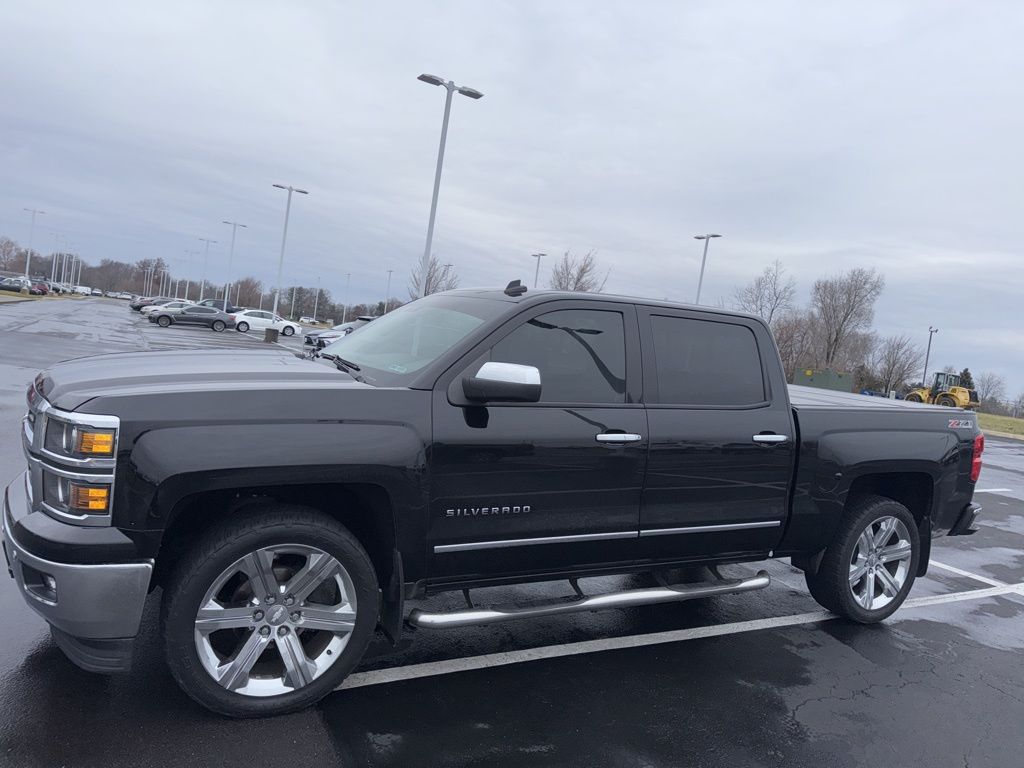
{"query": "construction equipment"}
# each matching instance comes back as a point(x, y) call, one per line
point(945, 390)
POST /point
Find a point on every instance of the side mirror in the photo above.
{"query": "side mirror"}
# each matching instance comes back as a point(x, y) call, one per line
point(503, 382)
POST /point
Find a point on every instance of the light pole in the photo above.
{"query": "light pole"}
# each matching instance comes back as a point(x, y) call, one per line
point(206, 259)
point(344, 309)
point(451, 88)
point(536, 271)
point(316, 300)
point(188, 266)
point(924, 377)
point(387, 293)
point(704, 260)
point(231, 254)
point(284, 237)
point(31, 234)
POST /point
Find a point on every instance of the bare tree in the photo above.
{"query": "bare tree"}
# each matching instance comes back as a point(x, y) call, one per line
point(8, 254)
point(440, 277)
point(895, 362)
point(844, 304)
point(1018, 406)
point(991, 387)
point(767, 295)
point(794, 335)
point(578, 273)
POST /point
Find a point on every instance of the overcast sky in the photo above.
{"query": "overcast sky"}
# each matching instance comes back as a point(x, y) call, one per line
point(886, 134)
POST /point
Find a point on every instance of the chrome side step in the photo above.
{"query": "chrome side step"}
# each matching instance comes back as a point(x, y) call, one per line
point(477, 616)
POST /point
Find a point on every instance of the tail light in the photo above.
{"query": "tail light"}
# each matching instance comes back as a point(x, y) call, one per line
point(979, 448)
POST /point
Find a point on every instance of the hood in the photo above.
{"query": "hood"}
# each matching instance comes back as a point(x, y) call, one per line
point(71, 384)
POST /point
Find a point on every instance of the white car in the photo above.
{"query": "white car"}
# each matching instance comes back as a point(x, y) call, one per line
point(170, 307)
point(260, 319)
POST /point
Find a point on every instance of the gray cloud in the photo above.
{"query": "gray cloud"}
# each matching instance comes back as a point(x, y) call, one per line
point(880, 134)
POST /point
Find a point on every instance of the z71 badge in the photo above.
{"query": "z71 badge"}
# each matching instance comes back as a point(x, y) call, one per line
point(961, 424)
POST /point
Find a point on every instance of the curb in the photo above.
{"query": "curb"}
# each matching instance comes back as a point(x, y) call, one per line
point(1004, 435)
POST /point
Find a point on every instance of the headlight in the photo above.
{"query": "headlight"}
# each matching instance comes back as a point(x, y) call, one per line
point(78, 441)
point(74, 497)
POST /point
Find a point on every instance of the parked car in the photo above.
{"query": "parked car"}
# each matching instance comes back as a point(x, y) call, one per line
point(39, 289)
point(261, 319)
point(211, 317)
point(96, 292)
point(639, 435)
point(125, 295)
point(142, 301)
point(221, 304)
point(15, 284)
point(148, 308)
point(307, 320)
point(170, 307)
point(322, 338)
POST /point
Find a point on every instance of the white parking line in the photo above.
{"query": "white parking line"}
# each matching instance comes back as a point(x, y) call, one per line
point(968, 574)
point(993, 490)
point(449, 666)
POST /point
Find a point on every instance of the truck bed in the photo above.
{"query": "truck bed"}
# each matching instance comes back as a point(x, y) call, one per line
point(812, 398)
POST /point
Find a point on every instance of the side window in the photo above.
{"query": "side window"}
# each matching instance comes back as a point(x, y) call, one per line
point(581, 355)
point(704, 362)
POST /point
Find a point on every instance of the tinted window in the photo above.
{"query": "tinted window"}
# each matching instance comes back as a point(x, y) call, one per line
point(581, 355)
point(700, 362)
point(200, 311)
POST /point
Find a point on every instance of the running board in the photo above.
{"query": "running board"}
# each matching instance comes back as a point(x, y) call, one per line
point(625, 599)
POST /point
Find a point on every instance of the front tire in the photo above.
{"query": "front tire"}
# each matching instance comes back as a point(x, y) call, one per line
point(269, 612)
point(913, 397)
point(242, 327)
point(218, 325)
point(870, 566)
point(288, 330)
point(947, 401)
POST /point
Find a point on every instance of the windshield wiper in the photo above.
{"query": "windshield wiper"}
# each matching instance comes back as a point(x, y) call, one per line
point(350, 368)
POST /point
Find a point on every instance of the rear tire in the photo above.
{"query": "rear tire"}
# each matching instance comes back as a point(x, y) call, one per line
point(242, 327)
point(163, 321)
point(870, 566)
point(288, 330)
point(272, 664)
point(218, 325)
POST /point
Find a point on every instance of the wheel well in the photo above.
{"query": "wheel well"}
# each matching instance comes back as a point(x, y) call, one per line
point(911, 489)
point(364, 509)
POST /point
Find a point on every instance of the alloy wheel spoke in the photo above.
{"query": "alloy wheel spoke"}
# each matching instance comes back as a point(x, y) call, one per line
point(319, 568)
point(298, 669)
point(865, 543)
point(343, 620)
point(259, 567)
point(885, 531)
point(901, 550)
point(213, 617)
point(235, 673)
point(857, 573)
point(889, 586)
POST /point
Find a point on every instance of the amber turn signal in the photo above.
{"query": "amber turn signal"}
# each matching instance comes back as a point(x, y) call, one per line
point(94, 443)
point(89, 498)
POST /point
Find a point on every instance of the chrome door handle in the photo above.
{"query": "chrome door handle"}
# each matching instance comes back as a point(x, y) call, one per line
point(618, 437)
point(771, 439)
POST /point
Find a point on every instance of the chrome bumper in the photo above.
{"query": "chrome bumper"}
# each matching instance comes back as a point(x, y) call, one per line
point(89, 601)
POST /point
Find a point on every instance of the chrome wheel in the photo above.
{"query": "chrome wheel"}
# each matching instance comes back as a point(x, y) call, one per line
point(880, 563)
point(275, 620)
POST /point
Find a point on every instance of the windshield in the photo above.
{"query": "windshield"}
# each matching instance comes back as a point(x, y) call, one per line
point(392, 349)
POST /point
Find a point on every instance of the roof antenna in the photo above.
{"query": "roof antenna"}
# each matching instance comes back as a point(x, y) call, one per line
point(515, 288)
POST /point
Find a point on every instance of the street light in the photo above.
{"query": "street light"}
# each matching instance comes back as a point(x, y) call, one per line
point(451, 88)
point(188, 261)
point(707, 239)
point(231, 254)
point(387, 293)
point(31, 233)
point(206, 259)
point(284, 237)
point(344, 309)
point(316, 301)
point(924, 377)
point(536, 272)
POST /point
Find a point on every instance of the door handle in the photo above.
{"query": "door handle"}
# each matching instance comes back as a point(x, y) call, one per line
point(770, 439)
point(618, 437)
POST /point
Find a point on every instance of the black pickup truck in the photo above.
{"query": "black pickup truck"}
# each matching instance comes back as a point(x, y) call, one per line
point(289, 510)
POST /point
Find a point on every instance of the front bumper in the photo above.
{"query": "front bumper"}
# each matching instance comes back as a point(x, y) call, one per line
point(93, 609)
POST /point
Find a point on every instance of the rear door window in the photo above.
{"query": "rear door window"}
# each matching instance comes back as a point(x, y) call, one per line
point(704, 362)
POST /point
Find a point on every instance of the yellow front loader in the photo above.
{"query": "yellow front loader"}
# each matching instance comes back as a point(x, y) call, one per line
point(945, 390)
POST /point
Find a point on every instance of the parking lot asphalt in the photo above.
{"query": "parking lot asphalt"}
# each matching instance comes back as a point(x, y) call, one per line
point(759, 679)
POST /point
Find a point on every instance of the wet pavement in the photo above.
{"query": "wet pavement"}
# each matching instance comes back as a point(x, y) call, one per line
point(759, 679)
